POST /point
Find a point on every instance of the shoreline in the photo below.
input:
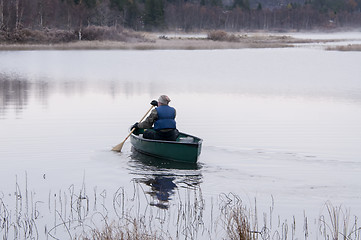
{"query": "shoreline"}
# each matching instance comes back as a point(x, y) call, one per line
point(182, 42)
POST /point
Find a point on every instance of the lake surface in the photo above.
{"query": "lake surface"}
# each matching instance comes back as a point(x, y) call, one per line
point(281, 131)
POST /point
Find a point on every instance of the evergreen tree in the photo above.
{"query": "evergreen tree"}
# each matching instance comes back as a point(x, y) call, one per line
point(243, 4)
point(119, 4)
point(329, 5)
point(132, 15)
point(90, 3)
point(154, 14)
point(259, 7)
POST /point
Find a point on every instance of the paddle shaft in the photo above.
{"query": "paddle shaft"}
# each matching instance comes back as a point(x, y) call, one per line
point(139, 121)
point(118, 148)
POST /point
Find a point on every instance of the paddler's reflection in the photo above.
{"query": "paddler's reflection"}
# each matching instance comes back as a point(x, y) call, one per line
point(162, 188)
point(163, 177)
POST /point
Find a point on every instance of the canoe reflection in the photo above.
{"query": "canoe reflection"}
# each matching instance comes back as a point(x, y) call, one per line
point(145, 161)
point(162, 178)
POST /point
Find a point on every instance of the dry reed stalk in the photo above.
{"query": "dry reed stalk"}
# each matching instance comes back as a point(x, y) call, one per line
point(335, 225)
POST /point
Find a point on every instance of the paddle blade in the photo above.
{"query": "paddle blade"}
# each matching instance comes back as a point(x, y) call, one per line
point(118, 148)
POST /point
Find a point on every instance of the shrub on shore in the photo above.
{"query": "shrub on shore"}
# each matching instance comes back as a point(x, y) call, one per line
point(90, 33)
point(349, 47)
point(37, 36)
point(219, 35)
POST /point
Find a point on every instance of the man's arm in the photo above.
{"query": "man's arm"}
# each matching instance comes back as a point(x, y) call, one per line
point(149, 121)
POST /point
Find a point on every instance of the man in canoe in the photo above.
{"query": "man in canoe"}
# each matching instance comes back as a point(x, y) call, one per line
point(163, 118)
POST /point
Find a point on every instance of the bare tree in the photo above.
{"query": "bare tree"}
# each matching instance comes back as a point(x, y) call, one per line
point(41, 13)
point(17, 22)
point(1, 13)
point(19, 10)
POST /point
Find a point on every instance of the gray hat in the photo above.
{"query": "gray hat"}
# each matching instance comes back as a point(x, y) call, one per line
point(164, 99)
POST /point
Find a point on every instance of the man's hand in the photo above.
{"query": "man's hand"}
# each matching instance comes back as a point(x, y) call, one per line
point(135, 126)
point(154, 103)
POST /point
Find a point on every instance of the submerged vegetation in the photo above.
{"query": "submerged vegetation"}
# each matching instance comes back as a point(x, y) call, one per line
point(77, 214)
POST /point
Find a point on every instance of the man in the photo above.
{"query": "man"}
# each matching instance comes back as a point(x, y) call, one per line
point(163, 118)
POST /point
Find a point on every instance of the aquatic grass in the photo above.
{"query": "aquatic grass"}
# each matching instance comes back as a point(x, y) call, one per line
point(238, 225)
point(133, 229)
point(335, 224)
point(77, 213)
point(241, 222)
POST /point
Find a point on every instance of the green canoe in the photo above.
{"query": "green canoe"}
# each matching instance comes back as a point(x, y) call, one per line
point(187, 148)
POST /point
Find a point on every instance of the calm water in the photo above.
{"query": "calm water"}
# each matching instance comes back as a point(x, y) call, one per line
point(281, 130)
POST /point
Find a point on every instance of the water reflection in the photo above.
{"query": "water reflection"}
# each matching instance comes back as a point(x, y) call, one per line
point(161, 190)
point(16, 92)
point(162, 178)
point(13, 92)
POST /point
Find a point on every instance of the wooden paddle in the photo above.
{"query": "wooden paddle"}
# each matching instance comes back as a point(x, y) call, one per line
point(119, 147)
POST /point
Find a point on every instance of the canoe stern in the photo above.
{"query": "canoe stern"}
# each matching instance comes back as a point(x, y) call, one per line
point(182, 150)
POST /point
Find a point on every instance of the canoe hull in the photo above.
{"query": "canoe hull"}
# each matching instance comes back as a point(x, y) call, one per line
point(172, 150)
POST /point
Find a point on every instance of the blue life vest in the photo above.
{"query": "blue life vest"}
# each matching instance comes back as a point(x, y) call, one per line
point(165, 119)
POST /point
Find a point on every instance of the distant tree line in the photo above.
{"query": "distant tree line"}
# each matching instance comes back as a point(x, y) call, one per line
point(184, 15)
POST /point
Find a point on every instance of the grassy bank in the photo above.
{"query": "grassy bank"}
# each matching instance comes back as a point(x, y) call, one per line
point(350, 47)
point(114, 38)
point(174, 44)
point(153, 42)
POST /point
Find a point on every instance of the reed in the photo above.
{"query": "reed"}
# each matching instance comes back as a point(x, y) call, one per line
point(238, 221)
point(336, 223)
point(83, 213)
